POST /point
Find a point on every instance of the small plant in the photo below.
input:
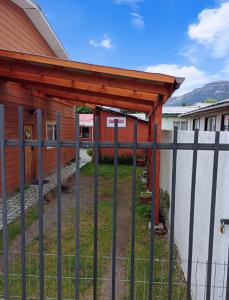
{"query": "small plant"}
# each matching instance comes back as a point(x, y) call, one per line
point(145, 210)
point(164, 206)
point(89, 152)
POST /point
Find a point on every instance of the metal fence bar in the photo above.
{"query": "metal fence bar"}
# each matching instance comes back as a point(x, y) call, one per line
point(121, 145)
point(40, 203)
point(153, 186)
point(77, 199)
point(22, 200)
point(227, 283)
point(114, 215)
point(212, 214)
point(133, 217)
point(96, 184)
point(192, 209)
point(173, 196)
point(59, 248)
point(4, 202)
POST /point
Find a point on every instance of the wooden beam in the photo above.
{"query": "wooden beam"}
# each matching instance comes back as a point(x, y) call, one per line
point(65, 92)
point(36, 75)
point(83, 67)
point(75, 97)
point(161, 89)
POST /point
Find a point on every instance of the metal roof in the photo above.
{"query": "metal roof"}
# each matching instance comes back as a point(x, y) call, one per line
point(180, 110)
point(118, 111)
point(212, 107)
point(35, 14)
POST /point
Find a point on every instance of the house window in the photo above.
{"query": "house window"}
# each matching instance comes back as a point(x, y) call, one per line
point(225, 123)
point(196, 124)
point(51, 131)
point(85, 133)
point(182, 125)
point(210, 123)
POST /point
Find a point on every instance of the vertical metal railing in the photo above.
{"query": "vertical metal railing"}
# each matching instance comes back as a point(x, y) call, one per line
point(4, 202)
point(58, 172)
point(114, 215)
point(133, 217)
point(96, 185)
point(191, 219)
point(212, 215)
point(77, 200)
point(22, 199)
point(172, 217)
point(40, 204)
point(152, 217)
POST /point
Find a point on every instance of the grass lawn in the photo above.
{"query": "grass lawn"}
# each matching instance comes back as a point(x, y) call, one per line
point(86, 247)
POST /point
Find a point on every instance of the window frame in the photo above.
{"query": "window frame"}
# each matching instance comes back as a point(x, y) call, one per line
point(53, 124)
point(223, 122)
point(194, 123)
point(206, 123)
point(180, 122)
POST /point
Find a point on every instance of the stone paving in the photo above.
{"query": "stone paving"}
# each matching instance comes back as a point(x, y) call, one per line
point(31, 193)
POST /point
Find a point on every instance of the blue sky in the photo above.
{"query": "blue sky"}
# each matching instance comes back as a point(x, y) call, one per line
point(187, 38)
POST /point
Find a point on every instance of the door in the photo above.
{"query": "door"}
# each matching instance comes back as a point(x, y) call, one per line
point(29, 162)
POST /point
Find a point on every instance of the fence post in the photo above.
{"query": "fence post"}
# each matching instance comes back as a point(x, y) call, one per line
point(4, 201)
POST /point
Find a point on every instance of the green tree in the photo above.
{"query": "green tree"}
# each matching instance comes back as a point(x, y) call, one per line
point(83, 110)
point(211, 101)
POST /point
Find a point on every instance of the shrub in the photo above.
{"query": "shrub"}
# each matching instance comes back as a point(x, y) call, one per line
point(123, 160)
point(89, 152)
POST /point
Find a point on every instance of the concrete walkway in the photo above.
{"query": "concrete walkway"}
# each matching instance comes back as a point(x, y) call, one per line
point(31, 193)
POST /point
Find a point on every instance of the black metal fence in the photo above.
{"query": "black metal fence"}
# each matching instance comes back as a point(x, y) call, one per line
point(39, 143)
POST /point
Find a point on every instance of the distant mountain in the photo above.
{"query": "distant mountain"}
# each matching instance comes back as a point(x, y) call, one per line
point(218, 90)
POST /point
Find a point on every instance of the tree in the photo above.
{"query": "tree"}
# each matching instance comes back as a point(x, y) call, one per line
point(211, 101)
point(83, 110)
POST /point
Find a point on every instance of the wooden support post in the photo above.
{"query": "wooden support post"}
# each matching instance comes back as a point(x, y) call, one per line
point(155, 118)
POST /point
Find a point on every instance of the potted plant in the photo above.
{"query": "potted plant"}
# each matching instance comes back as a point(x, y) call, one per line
point(145, 197)
point(141, 162)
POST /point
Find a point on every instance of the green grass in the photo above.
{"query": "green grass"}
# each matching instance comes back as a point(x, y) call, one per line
point(86, 247)
point(107, 171)
point(14, 228)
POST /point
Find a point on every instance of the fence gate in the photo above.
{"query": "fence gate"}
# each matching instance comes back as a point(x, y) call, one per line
point(168, 285)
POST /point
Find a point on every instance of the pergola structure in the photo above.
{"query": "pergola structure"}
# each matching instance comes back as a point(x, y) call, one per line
point(87, 84)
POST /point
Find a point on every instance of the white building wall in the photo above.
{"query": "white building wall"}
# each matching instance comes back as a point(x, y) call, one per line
point(167, 122)
point(202, 209)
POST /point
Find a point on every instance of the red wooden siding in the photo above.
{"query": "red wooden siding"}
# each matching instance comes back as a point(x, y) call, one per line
point(124, 134)
point(18, 33)
point(12, 96)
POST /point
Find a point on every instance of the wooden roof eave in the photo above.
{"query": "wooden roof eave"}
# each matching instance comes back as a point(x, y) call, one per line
point(120, 88)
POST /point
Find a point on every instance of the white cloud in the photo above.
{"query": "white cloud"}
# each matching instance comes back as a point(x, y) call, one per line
point(194, 77)
point(137, 20)
point(106, 42)
point(212, 30)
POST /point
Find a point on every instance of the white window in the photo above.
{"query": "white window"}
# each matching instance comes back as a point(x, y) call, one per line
point(196, 124)
point(225, 122)
point(210, 123)
point(51, 131)
point(182, 125)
